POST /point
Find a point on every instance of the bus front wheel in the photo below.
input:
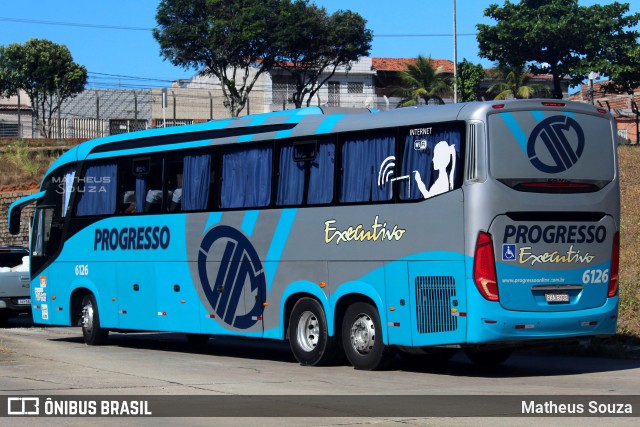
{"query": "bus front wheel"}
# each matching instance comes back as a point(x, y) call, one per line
point(362, 338)
point(92, 332)
point(308, 334)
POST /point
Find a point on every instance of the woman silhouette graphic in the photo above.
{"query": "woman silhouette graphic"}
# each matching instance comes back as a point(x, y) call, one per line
point(443, 156)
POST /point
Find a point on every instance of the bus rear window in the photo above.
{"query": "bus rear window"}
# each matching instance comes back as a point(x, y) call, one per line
point(530, 148)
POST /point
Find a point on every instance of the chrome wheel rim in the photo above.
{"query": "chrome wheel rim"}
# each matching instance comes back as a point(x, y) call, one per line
point(308, 331)
point(363, 334)
point(87, 317)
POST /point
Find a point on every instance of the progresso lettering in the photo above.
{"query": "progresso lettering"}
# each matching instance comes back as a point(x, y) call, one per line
point(131, 238)
point(555, 234)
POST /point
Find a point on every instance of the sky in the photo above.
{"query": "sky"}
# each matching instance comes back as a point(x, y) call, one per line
point(113, 40)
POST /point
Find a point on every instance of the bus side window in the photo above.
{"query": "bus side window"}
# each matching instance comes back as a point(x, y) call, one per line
point(141, 189)
point(189, 182)
point(306, 173)
point(366, 162)
point(175, 171)
point(430, 162)
point(97, 190)
point(246, 177)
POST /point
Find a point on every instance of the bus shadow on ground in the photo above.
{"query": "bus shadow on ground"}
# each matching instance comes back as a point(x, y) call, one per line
point(526, 363)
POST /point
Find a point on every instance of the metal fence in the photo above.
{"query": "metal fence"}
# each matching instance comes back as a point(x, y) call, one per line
point(101, 112)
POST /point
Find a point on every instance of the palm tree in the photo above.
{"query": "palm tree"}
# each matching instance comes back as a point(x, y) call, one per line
point(423, 82)
point(515, 83)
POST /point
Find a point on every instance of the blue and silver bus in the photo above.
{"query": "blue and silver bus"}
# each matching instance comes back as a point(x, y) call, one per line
point(480, 226)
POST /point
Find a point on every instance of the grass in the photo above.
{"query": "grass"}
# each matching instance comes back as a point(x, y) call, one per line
point(629, 321)
point(28, 167)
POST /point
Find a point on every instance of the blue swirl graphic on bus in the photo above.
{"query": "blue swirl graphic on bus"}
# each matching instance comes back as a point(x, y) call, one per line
point(559, 140)
point(238, 266)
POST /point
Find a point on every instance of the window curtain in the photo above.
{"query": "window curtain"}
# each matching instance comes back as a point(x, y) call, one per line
point(141, 193)
point(362, 157)
point(99, 195)
point(422, 161)
point(68, 189)
point(291, 178)
point(195, 182)
point(246, 178)
point(322, 175)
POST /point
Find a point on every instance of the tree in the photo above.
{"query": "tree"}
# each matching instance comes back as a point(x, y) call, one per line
point(46, 72)
point(229, 39)
point(516, 83)
point(470, 77)
point(561, 38)
point(311, 45)
point(423, 82)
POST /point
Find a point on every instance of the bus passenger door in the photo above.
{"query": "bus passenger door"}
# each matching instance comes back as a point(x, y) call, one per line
point(438, 303)
point(137, 306)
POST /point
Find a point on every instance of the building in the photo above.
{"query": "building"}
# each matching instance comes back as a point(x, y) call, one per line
point(16, 117)
point(369, 82)
point(623, 107)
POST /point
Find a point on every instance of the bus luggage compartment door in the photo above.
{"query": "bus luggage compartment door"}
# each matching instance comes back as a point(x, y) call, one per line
point(137, 304)
point(549, 264)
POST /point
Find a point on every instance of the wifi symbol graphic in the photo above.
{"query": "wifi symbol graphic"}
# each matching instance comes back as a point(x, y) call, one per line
point(387, 170)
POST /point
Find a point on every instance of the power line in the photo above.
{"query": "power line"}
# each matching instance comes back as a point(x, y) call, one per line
point(424, 35)
point(73, 24)
point(121, 76)
point(129, 28)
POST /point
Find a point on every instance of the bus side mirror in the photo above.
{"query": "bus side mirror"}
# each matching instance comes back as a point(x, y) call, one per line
point(14, 221)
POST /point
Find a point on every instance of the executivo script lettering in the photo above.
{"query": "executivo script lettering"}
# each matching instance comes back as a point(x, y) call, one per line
point(376, 232)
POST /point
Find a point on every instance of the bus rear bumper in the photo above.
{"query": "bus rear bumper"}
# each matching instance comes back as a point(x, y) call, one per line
point(503, 325)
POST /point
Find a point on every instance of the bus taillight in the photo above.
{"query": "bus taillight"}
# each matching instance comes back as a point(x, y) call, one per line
point(484, 267)
point(615, 264)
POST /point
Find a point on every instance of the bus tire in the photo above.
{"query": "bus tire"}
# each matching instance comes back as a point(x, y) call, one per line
point(488, 357)
point(362, 338)
point(309, 335)
point(92, 332)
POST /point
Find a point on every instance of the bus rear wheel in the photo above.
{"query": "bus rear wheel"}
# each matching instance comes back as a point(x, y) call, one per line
point(362, 338)
point(308, 334)
point(92, 332)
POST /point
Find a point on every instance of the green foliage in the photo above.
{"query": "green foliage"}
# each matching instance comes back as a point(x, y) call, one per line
point(237, 40)
point(470, 77)
point(563, 39)
point(229, 39)
point(424, 83)
point(311, 45)
point(515, 83)
point(45, 71)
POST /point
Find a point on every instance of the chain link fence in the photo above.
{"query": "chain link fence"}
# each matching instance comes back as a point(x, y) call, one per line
point(96, 113)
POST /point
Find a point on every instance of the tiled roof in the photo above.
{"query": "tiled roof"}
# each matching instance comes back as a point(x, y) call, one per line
point(400, 64)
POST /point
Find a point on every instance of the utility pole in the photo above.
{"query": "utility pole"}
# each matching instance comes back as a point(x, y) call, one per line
point(455, 56)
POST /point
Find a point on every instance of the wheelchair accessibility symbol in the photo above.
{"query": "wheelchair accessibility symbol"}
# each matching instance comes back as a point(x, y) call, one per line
point(508, 252)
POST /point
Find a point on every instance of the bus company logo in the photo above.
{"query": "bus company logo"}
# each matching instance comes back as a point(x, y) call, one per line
point(555, 144)
point(239, 272)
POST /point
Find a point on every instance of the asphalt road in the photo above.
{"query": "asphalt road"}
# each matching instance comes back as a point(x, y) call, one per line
point(55, 361)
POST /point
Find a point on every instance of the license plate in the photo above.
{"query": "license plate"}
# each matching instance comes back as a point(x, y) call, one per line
point(556, 297)
point(24, 301)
